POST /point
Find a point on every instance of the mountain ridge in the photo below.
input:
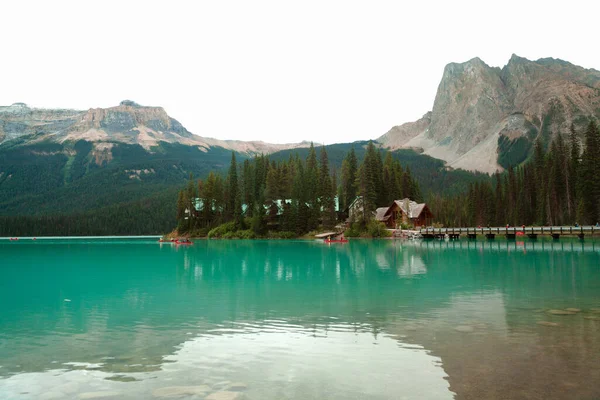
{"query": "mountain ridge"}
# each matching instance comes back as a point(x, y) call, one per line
point(486, 118)
point(128, 123)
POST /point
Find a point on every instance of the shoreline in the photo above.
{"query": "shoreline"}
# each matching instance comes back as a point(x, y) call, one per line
point(116, 237)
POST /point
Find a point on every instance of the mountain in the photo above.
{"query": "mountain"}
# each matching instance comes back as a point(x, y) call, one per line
point(118, 170)
point(102, 171)
point(127, 123)
point(486, 119)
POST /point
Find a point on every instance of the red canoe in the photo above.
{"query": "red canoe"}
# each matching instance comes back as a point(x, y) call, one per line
point(336, 241)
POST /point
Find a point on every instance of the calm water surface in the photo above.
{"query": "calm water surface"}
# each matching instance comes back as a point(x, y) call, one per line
point(300, 320)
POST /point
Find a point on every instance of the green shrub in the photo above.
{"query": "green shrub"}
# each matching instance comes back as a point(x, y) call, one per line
point(221, 230)
point(246, 234)
point(283, 235)
point(353, 231)
point(200, 232)
point(230, 235)
point(377, 229)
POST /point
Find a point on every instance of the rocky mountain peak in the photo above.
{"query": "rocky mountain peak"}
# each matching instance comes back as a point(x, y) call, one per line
point(128, 122)
point(486, 118)
point(129, 103)
point(15, 108)
point(515, 59)
point(472, 67)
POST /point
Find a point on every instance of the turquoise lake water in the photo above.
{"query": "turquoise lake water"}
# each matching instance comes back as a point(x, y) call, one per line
point(300, 319)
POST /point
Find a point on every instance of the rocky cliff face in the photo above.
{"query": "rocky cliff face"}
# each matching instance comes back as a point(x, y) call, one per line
point(126, 123)
point(486, 119)
point(19, 120)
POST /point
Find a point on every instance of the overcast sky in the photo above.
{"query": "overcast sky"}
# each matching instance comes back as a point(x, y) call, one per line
point(277, 71)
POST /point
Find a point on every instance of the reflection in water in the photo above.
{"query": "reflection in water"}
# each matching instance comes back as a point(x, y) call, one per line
point(276, 359)
point(543, 244)
point(301, 319)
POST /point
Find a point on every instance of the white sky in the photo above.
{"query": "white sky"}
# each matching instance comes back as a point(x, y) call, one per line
point(277, 71)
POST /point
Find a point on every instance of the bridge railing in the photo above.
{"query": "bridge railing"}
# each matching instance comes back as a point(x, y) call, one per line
point(574, 230)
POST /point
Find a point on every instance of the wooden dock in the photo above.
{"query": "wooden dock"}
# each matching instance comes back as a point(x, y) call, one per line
point(510, 232)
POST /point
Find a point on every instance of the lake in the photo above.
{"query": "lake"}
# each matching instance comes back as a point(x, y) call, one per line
point(219, 320)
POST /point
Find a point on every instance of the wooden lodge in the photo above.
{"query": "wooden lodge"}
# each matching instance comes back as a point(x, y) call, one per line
point(400, 211)
point(404, 211)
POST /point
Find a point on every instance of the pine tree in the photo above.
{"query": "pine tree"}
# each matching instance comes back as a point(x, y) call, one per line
point(325, 191)
point(208, 200)
point(233, 201)
point(500, 203)
point(181, 204)
point(539, 162)
point(312, 188)
point(573, 172)
point(191, 196)
point(299, 199)
point(248, 185)
point(590, 175)
point(367, 182)
point(389, 179)
point(272, 189)
point(349, 170)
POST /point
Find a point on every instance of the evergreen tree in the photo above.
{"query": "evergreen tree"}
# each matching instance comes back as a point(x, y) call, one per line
point(499, 216)
point(300, 199)
point(208, 200)
point(367, 182)
point(272, 190)
point(248, 185)
point(590, 175)
point(389, 179)
point(233, 201)
point(326, 191)
point(539, 162)
point(191, 196)
point(573, 173)
point(312, 188)
point(348, 185)
point(181, 204)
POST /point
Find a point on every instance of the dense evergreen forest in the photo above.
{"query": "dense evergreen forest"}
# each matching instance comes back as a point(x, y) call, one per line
point(141, 217)
point(48, 190)
point(51, 189)
point(431, 173)
point(559, 185)
point(294, 196)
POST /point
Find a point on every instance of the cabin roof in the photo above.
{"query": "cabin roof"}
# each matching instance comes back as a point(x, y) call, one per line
point(380, 214)
point(415, 209)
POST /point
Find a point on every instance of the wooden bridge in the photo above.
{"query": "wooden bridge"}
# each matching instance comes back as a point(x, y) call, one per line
point(510, 232)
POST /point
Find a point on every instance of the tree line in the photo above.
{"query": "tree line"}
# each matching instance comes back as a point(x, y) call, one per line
point(294, 195)
point(558, 185)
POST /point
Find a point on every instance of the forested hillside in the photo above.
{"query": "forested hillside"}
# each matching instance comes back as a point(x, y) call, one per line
point(559, 185)
point(80, 188)
point(54, 189)
point(293, 196)
point(431, 173)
